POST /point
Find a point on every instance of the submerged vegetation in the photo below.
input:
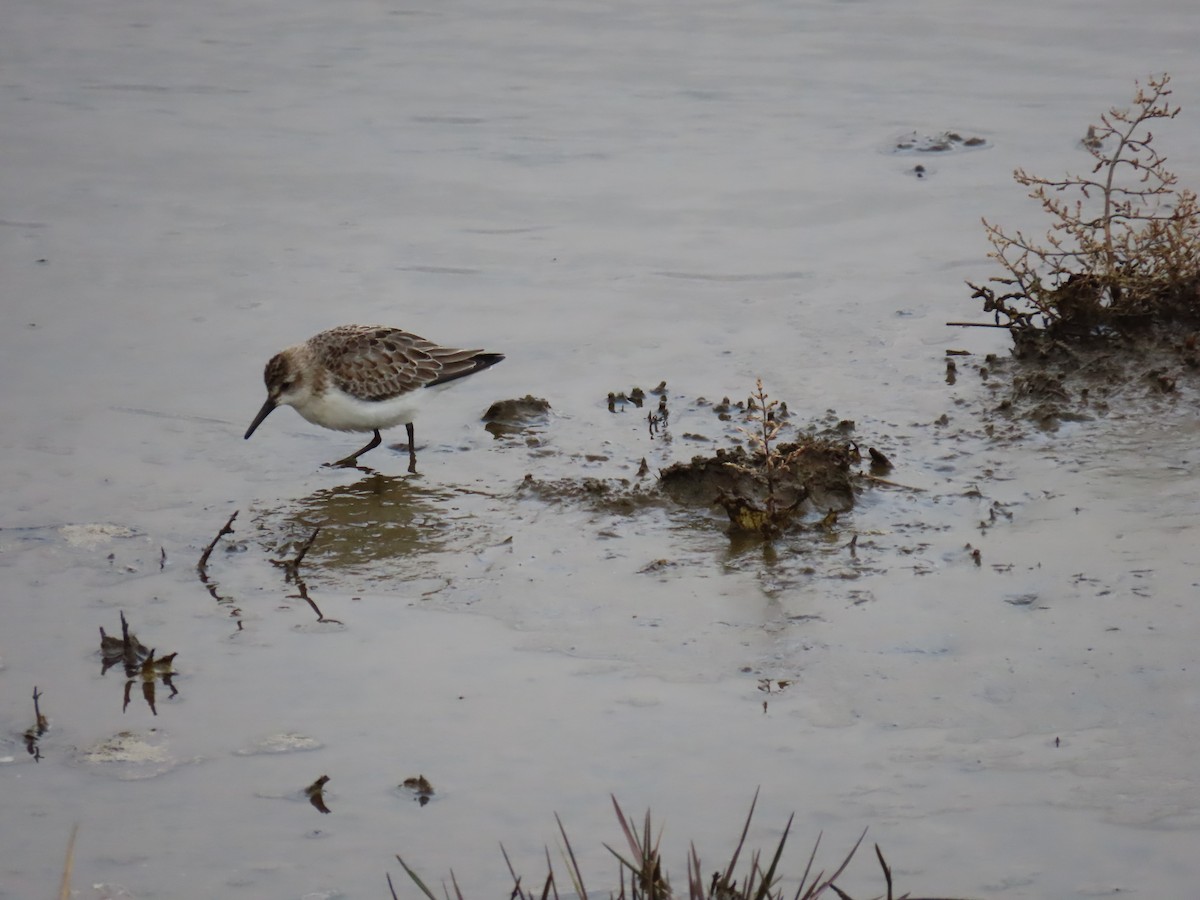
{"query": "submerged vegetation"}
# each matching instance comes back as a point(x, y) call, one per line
point(1123, 248)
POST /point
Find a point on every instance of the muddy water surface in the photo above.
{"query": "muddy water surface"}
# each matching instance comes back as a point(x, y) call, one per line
point(611, 200)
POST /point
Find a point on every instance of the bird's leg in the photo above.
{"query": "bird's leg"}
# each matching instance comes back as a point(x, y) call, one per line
point(412, 449)
point(352, 460)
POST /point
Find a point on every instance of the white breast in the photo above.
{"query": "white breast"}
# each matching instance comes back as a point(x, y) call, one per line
point(339, 411)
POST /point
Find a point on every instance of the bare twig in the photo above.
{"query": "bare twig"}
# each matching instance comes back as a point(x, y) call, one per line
point(884, 481)
point(291, 567)
point(303, 595)
point(42, 723)
point(33, 734)
point(227, 528)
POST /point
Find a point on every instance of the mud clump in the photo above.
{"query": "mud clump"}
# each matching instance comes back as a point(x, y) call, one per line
point(818, 474)
point(505, 418)
point(943, 142)
point(817, 470)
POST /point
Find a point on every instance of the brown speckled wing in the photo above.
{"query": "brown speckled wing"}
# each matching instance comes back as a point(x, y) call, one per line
point(375, 363)
point(378, 363)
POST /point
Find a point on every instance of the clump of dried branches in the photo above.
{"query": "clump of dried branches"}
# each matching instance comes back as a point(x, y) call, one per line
point(1123, 250)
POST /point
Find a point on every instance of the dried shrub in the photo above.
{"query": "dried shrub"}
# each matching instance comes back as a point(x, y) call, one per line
point(1123, 251)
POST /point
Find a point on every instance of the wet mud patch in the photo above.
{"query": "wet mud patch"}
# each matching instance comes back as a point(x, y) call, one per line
point(377, 519)
point(1046, 384)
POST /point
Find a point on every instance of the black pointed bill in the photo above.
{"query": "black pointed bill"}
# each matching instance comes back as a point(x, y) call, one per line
point(262, 414)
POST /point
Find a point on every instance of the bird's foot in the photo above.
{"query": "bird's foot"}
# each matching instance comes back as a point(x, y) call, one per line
point(350, 462)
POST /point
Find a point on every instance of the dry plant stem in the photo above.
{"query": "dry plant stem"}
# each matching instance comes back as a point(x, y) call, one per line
point(549, 887)
point(227, 528)
point(1150, 110)
point(517, 892)
point(64, 891)
point(727, 877)
point(416, 880)
point(769, 429)
point(768, 877)
point(889, 483)
point(646, 875)
point(808, 868)
point(572, 863)
point(887, 872)
point(42, 723)
point(761, 433)
point(818, 887)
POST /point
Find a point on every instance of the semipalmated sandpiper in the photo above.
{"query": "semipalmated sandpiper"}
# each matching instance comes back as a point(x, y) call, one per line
point(364, 378)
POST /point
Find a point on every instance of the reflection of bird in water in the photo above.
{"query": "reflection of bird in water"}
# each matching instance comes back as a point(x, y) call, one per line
point(364, 378)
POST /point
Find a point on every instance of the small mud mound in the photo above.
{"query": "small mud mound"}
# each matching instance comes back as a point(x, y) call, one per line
point(506, 418)
point(765, 495)
point(943, 142)
point(931, 145)
point(817, 470)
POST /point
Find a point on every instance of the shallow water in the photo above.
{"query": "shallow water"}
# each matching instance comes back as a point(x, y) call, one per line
point(611, 195)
